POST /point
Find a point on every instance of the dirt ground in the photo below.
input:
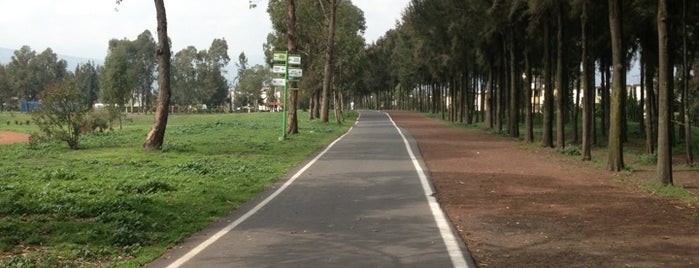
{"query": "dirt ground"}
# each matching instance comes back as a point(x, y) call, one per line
point(11, 137)
point(532, 207)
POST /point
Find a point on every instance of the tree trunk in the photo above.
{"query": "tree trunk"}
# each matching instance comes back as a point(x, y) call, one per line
point(587, 88)
point(327, 72)
point(489, 100)
point(547, 139)
point(560, 85)
point(513, 122)
point(650, 122)
point(689, 157)
point(292, 126)
point(664, 168)
point(615, 159)
point(528, 118)
point(156, 136)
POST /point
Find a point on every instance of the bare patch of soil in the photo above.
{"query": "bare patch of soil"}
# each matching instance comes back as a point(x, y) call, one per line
point(519, 207)
point(12, 137)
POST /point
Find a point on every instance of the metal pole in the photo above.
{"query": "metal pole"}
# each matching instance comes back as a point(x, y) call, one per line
point(286, 88)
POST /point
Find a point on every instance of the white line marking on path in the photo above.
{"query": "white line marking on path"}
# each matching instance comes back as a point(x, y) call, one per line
point(177, 263)
point(455, 253)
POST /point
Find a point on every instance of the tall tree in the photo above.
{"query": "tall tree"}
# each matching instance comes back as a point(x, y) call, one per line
point(292, 126)
point(143, 67)
point(587, 84)
point(156, 136)
point(561, 87)
point(184, 77)
point(664, 168)
point(331, 15)
point(117, 80)
point(615, 157)
point(87, 82)
point(689, 157)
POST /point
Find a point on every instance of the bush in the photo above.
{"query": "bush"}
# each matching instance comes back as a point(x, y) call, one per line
point(61, 115)
point(569, 150)
point(97, 119)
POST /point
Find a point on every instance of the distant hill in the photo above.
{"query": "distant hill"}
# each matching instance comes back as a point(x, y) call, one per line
point(6, 56)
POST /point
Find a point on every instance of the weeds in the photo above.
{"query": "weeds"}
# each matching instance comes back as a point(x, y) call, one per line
point(112, 204)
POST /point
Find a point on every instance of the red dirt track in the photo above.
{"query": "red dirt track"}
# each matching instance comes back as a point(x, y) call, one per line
point(11, 137)
point(532, 207)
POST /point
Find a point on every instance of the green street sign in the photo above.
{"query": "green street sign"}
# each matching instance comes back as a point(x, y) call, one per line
point(280, 56)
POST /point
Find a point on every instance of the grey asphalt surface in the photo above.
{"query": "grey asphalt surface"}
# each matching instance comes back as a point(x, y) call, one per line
point(360, 205)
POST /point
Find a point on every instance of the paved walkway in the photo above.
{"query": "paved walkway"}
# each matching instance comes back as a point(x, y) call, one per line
point(360, 203)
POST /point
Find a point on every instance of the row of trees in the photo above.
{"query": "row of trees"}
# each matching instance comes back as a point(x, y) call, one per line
point(29, 73)
point(127, 77)
point(481, 60)
point(197, 76)
point(328, 34)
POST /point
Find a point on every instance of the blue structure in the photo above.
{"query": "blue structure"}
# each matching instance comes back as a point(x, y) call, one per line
point(29, 106)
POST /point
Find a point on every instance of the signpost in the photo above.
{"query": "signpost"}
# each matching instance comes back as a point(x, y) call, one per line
point(282, 60)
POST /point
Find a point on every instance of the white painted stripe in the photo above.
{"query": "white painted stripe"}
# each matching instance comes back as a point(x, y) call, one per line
point(193, 252)
point(453, 249)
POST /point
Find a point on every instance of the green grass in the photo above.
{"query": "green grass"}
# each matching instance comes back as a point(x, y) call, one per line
point(112, 204)
point(17, 122)
point(677, 192)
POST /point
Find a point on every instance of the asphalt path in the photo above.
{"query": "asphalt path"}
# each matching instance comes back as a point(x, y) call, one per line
point(364, 201)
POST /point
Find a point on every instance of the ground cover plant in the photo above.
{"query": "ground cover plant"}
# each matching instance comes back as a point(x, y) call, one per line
point(111, 204)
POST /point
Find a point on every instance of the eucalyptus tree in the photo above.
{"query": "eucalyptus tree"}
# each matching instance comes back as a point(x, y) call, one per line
point(587, 81)
point(30, 73)
point(212, 85)
point(349, 56)
point(251, 81)
point(329, 8)
point(156, 136)
point(117, 80)
point(664, 165)
point(615, 156)
point(184, 76)
point(5, 89)
point(143, 66)
point(87, 83)
point(48, 69)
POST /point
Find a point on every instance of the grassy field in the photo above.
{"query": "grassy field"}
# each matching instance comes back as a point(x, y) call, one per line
point(112, 204)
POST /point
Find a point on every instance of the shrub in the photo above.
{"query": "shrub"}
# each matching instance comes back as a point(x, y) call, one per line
point(569, 150)
point(97, 119)
point(61, 115)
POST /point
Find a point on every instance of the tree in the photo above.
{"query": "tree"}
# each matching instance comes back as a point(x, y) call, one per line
point(615, 156)
point(19, 74)
point(116, 82)
point(664, 168)
point(329, 54)
point(29, 73)
point(87, 83)
point(143, 66)
point(587, 84)
point(292, 126)
point(184, 78)
point(250, 83)
point(156, 136)
point(242, 65)
point(5, 89)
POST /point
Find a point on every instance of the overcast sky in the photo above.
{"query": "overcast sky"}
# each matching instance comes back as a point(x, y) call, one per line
point(82, 28)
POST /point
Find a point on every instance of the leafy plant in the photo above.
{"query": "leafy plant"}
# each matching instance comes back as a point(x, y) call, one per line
point(61, 115)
